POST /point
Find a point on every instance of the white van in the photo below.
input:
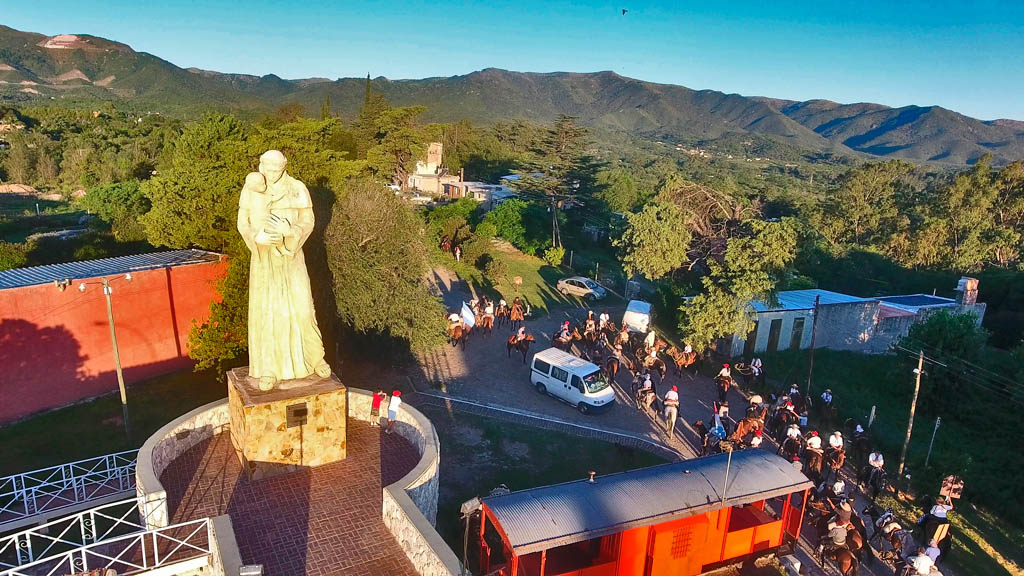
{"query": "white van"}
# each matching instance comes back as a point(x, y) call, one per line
point(572, 380)
point(637, 317)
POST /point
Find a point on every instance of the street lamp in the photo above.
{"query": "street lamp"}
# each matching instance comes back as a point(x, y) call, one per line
point(107, 290)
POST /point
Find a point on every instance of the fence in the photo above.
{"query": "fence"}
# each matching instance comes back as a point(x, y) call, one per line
point(50, 489)
point(130, 554)
point(71, 532)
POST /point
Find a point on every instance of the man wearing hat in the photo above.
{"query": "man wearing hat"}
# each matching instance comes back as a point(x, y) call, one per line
point(563, 333)
point(826, 407)
point(671, 410)
point(813, 457)
point(836, 454)
point(790, 447)
point(756, 440)
point(724, 380)
point(647, 393)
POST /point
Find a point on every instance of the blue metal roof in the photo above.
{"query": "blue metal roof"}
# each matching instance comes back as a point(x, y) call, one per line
point(35, 275)
point(804, 300)
point(542, 518)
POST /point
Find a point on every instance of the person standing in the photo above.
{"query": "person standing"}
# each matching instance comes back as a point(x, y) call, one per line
point(393, 406)
point(458, 253)
point(671, 410)
point(378, 398)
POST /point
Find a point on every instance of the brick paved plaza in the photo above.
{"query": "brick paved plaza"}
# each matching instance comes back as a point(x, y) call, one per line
point(322, 521)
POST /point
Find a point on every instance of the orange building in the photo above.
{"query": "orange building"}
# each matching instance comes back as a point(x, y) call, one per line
point(677, 519)
point(55, 346)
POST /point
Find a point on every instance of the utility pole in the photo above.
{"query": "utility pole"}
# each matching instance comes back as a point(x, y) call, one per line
point(117, 360)
point(913, 406)
point(814, 334)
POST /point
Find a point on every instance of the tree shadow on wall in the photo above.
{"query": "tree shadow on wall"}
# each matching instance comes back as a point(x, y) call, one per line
point(31, 355)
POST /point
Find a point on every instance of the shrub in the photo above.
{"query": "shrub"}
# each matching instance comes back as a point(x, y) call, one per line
point(495, 270)
point(554, 255)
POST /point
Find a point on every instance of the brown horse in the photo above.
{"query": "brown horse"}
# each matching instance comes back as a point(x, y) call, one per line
point(566, 345)
point(502, 314)
point(745, 427)
point(845, 561)
point(487, 323)
point(515, 315)
point(681, 360)
point(813, 461)
point(522, 345)
point(458, 334)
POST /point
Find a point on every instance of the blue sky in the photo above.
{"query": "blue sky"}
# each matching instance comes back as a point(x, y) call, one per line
point(967, 56)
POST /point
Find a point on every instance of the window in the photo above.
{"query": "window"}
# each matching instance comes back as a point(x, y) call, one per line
point(577, 383)
point(798, 334)
point(595, 381)
point(590, 284)
point(559, 373)
point(542, 367)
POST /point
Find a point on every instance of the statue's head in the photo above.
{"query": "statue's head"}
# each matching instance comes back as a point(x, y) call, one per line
point(272, 164)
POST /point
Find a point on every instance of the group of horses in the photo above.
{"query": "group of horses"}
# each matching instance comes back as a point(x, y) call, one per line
point(486, 317)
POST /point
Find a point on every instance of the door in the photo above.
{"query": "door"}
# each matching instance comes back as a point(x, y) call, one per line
point(576, 389)
point(751, 342)
point(798, 334)
point(559, 383)
point(774, 332)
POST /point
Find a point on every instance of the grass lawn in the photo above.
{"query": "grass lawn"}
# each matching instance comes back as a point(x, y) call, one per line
point(94, 428)
point(478, 454)
point(860, 381)
point(539, 279)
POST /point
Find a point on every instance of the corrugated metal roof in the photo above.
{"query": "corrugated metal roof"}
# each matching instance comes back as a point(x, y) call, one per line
point(542, 518)
point(35, 275)
point(804, 300)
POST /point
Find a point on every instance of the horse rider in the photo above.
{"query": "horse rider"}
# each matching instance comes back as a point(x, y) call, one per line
point(754, 409)
point(489, 309)
point(521, 334)
point(836, 453)
point(756, 440)
point(671, 410)
point(834, 539)
point(938, 512)
point(590, 326)
point(833, 493)
point(646, 394)
point(756, 367)
point(624, 335)
point(702, 433)
point(787, 416)
point(724, 380)
point(650, 339)
point(813, 456)
point(563, 333)
point(826, 405)
point(919, 563)
point(876, 466)
point(721, 411)
point(454, 319)
point(790, 447)
point(603, 319)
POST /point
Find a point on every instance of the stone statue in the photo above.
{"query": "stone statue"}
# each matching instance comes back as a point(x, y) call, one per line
point(275, 217)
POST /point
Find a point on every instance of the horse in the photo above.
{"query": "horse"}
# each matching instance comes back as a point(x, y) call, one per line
point(522, 345)
point(874, 480)
point(886, 527)
point(612, 364)
point(487, 323)
point(566, 345)
point(515, 315)
point(844, 560)
point(457, 334)
point(681, 360)
point(813, 460)
point(835, 458)
point(745, 427)
point(501, 313)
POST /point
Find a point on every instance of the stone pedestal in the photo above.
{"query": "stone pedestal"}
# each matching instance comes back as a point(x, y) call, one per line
point(298, 424)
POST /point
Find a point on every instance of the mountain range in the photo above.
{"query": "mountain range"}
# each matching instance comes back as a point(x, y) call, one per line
point(77, 67)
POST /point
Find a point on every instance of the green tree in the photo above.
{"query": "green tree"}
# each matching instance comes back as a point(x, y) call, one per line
point(507, 219)
point(376, 251)
point(619, 190)
point(866, 203)
point(953, 338)
point(13, 255)
point(751, 269)
point(561, 171)
point(121, 205)
point(655, 241)
point(399, 140)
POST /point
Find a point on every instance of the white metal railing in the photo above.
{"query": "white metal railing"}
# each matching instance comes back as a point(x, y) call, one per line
point(48, 489)
point(129, 554)
point(57, 537)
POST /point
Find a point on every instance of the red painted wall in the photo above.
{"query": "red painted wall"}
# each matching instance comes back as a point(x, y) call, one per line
point(55, 346)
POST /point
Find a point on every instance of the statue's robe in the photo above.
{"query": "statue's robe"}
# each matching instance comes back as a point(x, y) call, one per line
point(284, 340)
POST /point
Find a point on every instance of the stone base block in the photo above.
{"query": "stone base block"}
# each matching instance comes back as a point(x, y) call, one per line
point(298, 424)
